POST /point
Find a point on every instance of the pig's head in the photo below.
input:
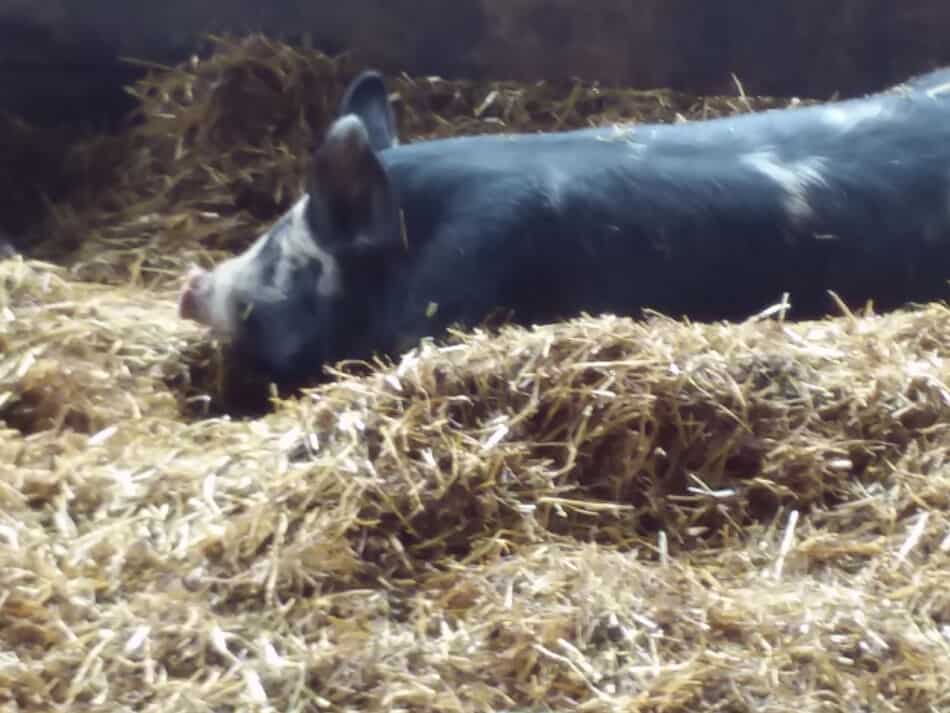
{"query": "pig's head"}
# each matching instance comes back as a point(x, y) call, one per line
point(300, 296)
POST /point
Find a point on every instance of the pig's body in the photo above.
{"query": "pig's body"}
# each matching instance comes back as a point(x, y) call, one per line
point(710, 219)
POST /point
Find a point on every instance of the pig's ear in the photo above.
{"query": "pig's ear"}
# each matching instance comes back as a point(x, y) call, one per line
point(352, 209)
point(366, 97)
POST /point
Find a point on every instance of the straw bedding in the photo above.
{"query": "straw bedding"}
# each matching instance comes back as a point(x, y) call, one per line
point(602, 515)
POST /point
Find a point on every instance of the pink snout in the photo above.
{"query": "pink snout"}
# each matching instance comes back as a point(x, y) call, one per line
point(194, 299)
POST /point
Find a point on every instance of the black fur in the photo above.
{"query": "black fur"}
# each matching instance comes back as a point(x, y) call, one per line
point(711, 220)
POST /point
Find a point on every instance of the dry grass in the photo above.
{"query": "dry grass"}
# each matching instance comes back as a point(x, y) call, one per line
point(603, 515)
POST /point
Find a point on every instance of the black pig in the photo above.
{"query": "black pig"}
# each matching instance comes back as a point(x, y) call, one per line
point(710, 219)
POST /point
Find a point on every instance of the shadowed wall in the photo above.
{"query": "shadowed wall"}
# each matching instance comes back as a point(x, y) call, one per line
point(58, 57)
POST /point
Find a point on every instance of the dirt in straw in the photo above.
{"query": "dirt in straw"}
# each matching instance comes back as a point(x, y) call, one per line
point(602, 515)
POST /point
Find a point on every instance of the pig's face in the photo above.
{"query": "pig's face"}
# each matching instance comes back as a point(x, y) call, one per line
point(292, 301)
point(274, 301)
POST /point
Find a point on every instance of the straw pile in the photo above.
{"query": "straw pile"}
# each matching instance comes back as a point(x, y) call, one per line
point(603, 515)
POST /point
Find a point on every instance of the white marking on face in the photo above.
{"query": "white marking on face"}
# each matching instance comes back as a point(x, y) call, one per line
point(241, 273)
point(220, 310)
point(794, 178)
point(846, 117)
point(301, 244)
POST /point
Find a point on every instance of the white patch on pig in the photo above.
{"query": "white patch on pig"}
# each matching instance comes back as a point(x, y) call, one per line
point(299, 243)
point(794, 178)
point(937, 91)
point(218, 307)
point(846, 116)
point(240, 275)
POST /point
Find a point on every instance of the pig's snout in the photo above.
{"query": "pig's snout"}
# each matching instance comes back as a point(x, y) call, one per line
point(195, 298)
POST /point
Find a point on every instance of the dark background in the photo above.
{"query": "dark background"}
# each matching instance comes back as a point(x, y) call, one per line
point(59, 58)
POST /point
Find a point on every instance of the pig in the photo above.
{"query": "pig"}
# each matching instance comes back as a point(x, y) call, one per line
point(710, 220)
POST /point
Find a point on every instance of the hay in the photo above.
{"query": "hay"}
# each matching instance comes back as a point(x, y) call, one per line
point(219, 147)
point(605, 515)
point(602, 515)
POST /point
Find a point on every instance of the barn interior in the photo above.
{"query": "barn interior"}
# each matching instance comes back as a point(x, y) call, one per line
point(604, 514)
